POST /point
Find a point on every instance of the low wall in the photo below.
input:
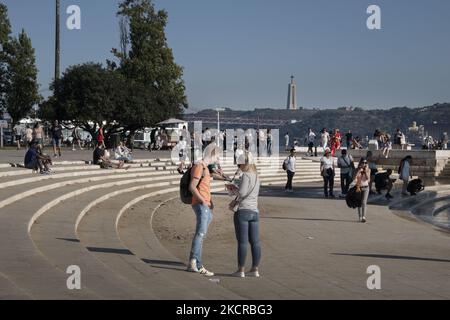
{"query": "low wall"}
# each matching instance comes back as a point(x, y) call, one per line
point(426, 163)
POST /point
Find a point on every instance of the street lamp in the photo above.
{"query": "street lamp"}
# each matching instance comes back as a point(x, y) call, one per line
point(218, 117)
point(57, 40)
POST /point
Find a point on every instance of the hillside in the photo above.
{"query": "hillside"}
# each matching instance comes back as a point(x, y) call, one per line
point(435, 118)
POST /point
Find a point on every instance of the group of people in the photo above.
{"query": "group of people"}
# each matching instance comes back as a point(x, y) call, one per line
point(431, 143)
point(331, 139)
point(363, 176)
point(122, 154)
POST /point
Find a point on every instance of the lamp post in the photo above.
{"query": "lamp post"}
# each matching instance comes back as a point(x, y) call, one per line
point(57, 40)
point(218, 117)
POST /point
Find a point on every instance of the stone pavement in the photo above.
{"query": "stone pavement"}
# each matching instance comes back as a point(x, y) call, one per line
point(315, 249)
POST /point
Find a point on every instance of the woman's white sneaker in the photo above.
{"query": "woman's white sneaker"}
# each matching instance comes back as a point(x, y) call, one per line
point(254, 274)
point(205, 272)
point(238, 274)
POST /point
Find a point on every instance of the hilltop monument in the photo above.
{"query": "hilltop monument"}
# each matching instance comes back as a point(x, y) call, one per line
point(292, 95)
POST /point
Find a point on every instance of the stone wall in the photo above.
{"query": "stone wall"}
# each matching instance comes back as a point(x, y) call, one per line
point(426, 164)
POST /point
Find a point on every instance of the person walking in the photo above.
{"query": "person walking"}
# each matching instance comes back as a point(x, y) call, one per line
point(289, 165)
point(28, 135)
point(335, 142)
point(246, 217)
point(200, 187)
point(101, 137)
point(286, 140)
point(327, 170)
point(324, 138)
point(56, 132)
point(345, 163)
point(269, 142)
point(405, 173)
point(76, 138)
point(311, 138)
point(38, 134)
point(17, 135)
point(362, 183)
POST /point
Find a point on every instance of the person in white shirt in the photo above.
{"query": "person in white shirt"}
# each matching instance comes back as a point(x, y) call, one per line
point(311, 137)
point(327, 171)
point(405, 173)
point(346, 164)
point(290, 170)
point(286, 139)
point(324, 137)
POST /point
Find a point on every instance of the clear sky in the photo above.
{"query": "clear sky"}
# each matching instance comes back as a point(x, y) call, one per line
point(241, 53)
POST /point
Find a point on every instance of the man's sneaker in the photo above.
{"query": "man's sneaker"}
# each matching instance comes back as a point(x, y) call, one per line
point(205, 272)
point(363, 219)
point(238, 274)
point(254, 274)
point(193, 266)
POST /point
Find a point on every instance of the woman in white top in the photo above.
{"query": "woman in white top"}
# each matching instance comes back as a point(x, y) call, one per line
point(405, 173)
point(325, 137)
point(362, 181)
point(327, 171)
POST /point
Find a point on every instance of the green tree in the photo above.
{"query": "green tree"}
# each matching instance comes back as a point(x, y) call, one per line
point(88, 95)
point(5, 31)
point(21, 90)
point(149, 66)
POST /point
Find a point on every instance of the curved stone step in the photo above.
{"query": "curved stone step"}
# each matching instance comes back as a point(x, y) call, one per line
point(55, 237)
point(98, 230)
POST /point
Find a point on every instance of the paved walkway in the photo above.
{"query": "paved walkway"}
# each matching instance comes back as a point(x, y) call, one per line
point(316, 249)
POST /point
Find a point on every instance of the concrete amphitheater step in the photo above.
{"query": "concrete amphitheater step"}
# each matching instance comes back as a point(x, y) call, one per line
point(20, 212)
point(21, 262)
point(98, 230)
point(54, 235)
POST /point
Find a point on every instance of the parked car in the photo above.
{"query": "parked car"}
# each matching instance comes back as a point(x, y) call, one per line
point(8, 139)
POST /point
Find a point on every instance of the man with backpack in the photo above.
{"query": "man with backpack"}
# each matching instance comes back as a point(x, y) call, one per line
point(345, 163)
point(200, 188)
point(289, 167)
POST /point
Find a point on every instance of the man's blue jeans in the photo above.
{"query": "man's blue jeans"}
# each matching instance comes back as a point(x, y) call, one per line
point(204, 218)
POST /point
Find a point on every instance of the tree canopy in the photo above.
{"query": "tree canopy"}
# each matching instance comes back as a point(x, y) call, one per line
point(139, 88)
point(18, 72)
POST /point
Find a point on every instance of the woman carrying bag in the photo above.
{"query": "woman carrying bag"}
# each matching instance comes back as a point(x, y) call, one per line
point(362, 185)
point(246, 215)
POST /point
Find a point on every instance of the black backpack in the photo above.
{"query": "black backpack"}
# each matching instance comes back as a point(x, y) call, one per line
point(353, 198)
point(185, 193)
point(415, 186)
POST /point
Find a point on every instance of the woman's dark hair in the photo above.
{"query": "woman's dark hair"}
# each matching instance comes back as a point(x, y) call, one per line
point(407, 158)
point(362, 161)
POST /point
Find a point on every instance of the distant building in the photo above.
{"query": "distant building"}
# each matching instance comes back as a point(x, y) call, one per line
point(292, 95)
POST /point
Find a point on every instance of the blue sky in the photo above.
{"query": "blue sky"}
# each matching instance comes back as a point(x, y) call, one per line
point(241, 53)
